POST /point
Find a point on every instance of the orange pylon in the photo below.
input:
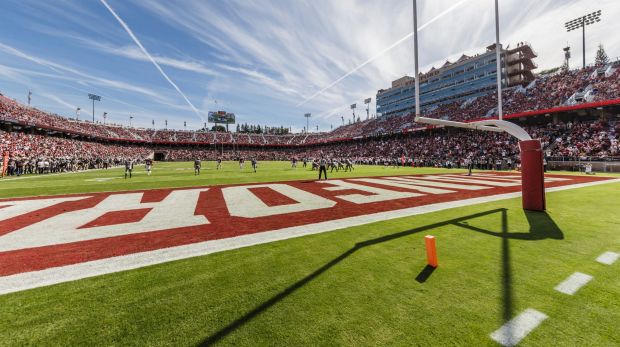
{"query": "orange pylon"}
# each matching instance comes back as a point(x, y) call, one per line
point(431, 251)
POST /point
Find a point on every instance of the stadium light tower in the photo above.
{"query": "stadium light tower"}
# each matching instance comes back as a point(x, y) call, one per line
point(566, 55)
point(94, 98)
point(105, 116)
point(498, 60)
point(77, 113)
point(353, 106)
point(307, 115)
point(415, 59)
point(367, 102)
point(130, 119)
point(581, 22)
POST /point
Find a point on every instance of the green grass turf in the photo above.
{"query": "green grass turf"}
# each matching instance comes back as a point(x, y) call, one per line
point(355, 286)
point(180, 174)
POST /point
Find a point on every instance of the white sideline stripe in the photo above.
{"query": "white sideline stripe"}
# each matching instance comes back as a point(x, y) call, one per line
point(573, 283)
point(608, 258)
point(513, 331)
point(498, 178)
point(464, 179)
point(35, 279)
point(411, 179)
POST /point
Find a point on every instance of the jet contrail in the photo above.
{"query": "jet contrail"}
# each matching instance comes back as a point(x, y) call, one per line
point(373, 58)
point(135, 39)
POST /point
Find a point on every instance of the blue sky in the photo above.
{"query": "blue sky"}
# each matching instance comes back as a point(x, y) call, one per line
point(266, 61)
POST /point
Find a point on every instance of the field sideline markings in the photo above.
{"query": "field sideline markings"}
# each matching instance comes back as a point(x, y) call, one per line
point(55, 275)
point(608, 258)
point(573, 283)
point(513, 331)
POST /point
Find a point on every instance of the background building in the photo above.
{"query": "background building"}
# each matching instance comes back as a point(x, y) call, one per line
point(466, 78)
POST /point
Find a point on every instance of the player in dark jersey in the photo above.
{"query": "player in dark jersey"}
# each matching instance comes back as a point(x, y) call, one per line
point(294, 162)
point(128, 167)
point(219, 163)
point(254, 164)
point(305, 162)
point(197, 166)
point(322, 167)
point(148, 163)
point(241, 162)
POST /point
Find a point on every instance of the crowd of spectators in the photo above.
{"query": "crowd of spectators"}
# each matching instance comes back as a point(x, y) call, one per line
point(563, 87)
point(377, 140)
point(448, 147)
point(30, 153)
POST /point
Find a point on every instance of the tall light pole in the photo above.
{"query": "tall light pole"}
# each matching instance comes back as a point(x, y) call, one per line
point(353, 106)
point(105, 116)
point(94, 98)
point(367, 102)
point(307, 115)
point(130, 119)
point(581, 22)
point(29, 97)
point(77, 113)
point(567, 56)
point(415, 58)
point(498, 60)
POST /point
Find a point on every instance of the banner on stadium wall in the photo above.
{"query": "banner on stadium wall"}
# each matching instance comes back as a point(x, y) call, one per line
point(221, 117)
point(5, 163)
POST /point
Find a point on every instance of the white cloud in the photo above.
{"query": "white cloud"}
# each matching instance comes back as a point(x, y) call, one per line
point(146, 53)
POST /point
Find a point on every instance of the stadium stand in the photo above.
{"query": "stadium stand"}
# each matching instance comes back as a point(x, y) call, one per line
point(31, 135)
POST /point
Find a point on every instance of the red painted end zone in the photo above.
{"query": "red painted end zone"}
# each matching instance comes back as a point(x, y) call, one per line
point(41, 233)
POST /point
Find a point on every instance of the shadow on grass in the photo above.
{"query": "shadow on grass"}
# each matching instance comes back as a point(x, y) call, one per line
point(541, 227)
point(425, 274)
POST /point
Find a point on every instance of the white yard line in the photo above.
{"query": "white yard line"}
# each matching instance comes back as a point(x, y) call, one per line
point(513, 331)
point(608, 258)
point(54, 174)
point(573, 283)
point(35, 279)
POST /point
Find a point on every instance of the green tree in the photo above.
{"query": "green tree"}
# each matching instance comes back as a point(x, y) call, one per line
point(601, 56)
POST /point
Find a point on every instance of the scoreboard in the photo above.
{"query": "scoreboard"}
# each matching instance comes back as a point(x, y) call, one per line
point(221, 117)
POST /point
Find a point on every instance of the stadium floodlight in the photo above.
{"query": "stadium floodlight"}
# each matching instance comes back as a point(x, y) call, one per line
point(307, 115)
point(582, 22)
point(415, 59)
point(130, 119)
point(566, 55)
point(367, 102)
point(353, 106)
point(498, 61)
point(77, 113)
point(105, 116)
point(94, 98)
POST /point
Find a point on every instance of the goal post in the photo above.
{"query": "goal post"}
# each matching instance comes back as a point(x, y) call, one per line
point(532, 170)
point(531, 154)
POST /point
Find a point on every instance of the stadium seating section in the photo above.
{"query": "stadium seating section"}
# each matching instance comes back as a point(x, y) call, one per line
point(32, 135)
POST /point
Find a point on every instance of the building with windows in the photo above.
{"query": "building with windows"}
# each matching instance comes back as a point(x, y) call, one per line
point(466, 78)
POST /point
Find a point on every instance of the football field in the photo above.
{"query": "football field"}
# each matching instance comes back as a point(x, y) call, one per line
point(233, 257)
